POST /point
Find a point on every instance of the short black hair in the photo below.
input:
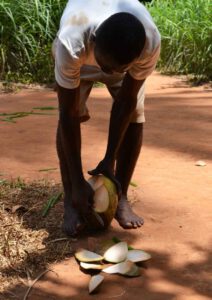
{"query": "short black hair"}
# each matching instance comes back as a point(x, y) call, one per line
point(121, 37)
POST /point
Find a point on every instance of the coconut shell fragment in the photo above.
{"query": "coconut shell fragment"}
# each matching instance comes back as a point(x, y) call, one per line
point(138, 255)
point(116, 253)
point(89, 266)
point(134, 271)
point(126, 268)
point(95, 281)
point(84, 255)
point(120, 268)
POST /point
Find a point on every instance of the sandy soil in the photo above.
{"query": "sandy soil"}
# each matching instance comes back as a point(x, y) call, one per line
point(172, 194)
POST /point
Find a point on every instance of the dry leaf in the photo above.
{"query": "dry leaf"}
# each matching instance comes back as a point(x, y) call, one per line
point(18, 208)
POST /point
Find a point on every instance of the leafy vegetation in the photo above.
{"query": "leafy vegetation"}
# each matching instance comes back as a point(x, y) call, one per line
point(28, 28)
point(186, 30)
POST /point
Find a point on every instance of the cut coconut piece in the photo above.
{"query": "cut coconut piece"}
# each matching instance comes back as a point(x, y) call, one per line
point(95, 282)
point(88, 266)
point(127, 268)
point(134, 271)
point(138, 255)
point(101, 199)
point(96, 181)
point(116, 253)
point(120, 268)
point(87, 256)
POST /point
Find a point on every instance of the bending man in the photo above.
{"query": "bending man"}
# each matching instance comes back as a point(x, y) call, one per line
point(115, 42)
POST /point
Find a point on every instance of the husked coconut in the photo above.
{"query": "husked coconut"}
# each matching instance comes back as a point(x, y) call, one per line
point(101, 199)
point(105, 202)
point(96, 182)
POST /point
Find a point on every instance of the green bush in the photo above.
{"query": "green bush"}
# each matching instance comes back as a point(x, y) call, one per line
point(186, 30)
point(28, 27)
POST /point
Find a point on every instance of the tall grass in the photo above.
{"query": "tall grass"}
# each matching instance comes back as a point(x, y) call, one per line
point(28, 27)
point(186, 29)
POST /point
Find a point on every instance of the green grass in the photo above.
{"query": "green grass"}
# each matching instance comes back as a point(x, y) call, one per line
point(28, 27)
point(186, 30)
point(27, 30)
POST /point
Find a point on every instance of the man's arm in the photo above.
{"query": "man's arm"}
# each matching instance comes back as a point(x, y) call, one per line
point(69, 126)
point(122, 110)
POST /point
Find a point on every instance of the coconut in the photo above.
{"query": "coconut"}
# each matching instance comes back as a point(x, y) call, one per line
point(105, 201)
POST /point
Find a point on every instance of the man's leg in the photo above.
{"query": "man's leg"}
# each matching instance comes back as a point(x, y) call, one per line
point(72, 221)
point(127, 157)
point(125, 164)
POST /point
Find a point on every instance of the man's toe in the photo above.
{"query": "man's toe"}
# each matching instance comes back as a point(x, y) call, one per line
point(139, 224)
point(128, 225)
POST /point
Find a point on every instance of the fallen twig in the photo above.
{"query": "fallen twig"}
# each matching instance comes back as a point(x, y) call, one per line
point(34, 282)
point(58, 240)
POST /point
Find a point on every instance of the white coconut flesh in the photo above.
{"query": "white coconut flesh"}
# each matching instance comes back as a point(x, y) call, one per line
point(138, 255)
point(84, 255)
point(95, 282)
point(134, 271)
point(101, 199)
point(96, 182)
point(126, 268)
point(116, 253)
point(120, 268)
point(89, 266)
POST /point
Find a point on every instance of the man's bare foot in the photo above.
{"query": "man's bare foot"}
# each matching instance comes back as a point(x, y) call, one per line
point(125, 216)
point(72, 222)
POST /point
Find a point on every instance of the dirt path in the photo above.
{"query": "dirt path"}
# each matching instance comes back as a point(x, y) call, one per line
point(173, 194)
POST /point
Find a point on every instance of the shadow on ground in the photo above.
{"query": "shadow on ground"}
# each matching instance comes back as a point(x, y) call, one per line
point(157, 274)
point(180, 122)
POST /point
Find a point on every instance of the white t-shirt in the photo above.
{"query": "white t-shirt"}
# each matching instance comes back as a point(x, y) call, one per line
point(79, 22)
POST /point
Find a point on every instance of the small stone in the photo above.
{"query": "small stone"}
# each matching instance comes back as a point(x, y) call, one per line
point(200, 163)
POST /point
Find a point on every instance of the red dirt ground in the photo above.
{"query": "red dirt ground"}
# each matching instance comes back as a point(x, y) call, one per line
point(173, 195)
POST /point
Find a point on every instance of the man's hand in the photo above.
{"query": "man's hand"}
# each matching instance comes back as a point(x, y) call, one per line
point(106, 169)
point(83, 199)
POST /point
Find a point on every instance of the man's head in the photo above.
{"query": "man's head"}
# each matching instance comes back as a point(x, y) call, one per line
point(119, 40)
